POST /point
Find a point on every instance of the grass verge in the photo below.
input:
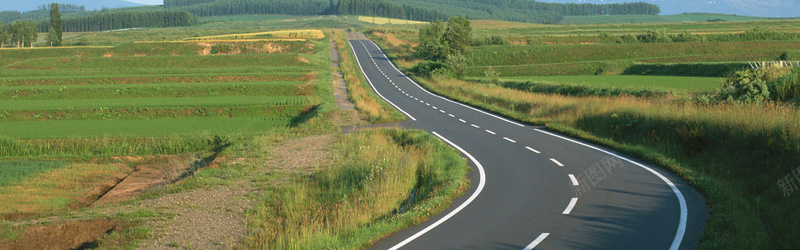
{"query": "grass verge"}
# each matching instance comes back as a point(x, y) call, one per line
point(358, 90)
point(381, 181)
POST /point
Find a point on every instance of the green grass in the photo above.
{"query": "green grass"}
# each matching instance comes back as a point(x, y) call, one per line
point(664, 83)
point(224, 101)
point(156, 78)
point(141, 128)
point(14, 171)
point(688, 17)
point(117, 91)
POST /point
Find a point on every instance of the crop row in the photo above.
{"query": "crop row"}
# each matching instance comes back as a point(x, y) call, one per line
point(225, 101)
point(155, 90)
point(104, 113)
point(150, 78)
point(13, 56)
point(141, 128)
point(522, 55)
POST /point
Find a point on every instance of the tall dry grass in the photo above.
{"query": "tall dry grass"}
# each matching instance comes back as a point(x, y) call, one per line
point(380, 182)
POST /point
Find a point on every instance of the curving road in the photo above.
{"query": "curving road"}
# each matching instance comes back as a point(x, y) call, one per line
point(532, 188)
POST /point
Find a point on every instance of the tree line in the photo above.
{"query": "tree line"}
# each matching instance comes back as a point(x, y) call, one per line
point(19, 34)
point(420, 10)
point(387, 9)
point(63, 8)
point(123, 20)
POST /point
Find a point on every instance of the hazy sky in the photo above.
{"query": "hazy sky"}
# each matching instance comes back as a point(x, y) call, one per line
point(151, 2)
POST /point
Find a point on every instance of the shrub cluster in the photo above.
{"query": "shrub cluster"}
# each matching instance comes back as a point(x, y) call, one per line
point(758, 85)
point(661, 36)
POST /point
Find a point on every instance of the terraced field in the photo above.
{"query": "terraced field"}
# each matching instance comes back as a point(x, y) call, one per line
point(139, 90)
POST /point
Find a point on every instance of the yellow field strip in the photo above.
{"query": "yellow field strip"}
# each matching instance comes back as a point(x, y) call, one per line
point(236, 40)
point(383, 20)
point(312, 34)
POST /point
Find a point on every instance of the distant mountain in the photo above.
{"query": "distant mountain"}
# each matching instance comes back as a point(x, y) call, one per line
point(761, 8)
point(28, 5)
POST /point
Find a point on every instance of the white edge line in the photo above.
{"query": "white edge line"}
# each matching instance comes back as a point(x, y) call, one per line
point(533, 150)
point(573, 179)
point(443, 98)
point(370, 82)
point(474, 195)
point(570, 206)
point(536, 241)
point(556, 162)
point(676, 243)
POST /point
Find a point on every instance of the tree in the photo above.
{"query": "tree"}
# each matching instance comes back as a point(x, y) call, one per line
point(29, 33)
point(457, 64)
point(3, 35)
point(56, 29)
point(430, 41)
point(457, 36)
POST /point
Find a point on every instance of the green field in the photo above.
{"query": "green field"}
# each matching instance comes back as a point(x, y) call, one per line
point(160, 89)
point(687, 17)
point(664, 83)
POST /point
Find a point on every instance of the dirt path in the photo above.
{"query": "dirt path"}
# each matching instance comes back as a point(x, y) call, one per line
point(347, 115)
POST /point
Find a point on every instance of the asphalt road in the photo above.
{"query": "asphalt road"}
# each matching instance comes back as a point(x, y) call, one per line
point(534, 188)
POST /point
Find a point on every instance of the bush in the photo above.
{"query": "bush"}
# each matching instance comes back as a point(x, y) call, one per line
point(489, 40)
point(654, 36)
point(426, 68)
point(759, 85)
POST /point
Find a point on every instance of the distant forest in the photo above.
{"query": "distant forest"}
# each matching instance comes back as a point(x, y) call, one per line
point(420, 10)
point(185, 12)
point(113, 20)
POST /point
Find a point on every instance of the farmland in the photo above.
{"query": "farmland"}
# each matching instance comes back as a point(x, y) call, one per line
point(201, 109)
point(77, 120)
point(119, 99)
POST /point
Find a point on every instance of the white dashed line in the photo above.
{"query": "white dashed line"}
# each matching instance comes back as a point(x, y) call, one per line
point(507, 139)
point(556, 162)
point(490, 132)
point(462, 120)
point(476, 126)
point(451, 115)
point(442, 111)
point(533, 150)
point(434, 107)
point(570, 206)
point(574, 181)
point(428, 104)
point(536, 241)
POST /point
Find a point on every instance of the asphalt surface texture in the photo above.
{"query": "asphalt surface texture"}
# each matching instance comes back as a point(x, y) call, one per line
point(533, 188)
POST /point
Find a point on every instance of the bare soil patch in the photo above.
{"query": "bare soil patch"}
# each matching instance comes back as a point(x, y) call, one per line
point(301, 155)
point(68, 235)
